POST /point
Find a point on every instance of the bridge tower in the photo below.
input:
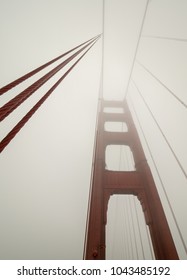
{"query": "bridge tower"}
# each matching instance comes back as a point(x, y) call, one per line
point(138, 182)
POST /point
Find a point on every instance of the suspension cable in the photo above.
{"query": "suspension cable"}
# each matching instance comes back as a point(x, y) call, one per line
point(92, 169)
point(133, 228)
point(125, 157)
point(126, 160)
point(125, 211)
point(126, 231)
point(159, 176)
point(96, 134)
point(103, 47)
point(24, 120)
point(126, 249)
point(121, 239)
point(139, 231)
point(165, 38)
point(129, 230)
point(10, 106)
point(115, 223)
point(158, 80)
point(120, 152)
point(136, 50)
point(172, 151)
point(33, 72)
point(149, 242)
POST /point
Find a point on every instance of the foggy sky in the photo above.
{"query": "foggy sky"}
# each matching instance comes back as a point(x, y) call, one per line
point(45, 170)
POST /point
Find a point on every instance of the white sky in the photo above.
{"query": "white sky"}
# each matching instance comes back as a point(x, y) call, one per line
point(45, 170)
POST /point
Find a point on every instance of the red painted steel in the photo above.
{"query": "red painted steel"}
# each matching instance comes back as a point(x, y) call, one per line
point(26, 118)
point(139, 183)
point(11, 105)
point(33, 72)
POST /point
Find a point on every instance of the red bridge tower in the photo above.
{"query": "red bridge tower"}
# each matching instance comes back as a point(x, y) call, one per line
point(139, 183)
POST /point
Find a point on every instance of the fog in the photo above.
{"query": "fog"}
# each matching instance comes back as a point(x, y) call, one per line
point(45, 171)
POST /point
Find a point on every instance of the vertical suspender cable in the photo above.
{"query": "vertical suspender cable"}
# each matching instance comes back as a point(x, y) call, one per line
point(129, 200)
point(141, 243)
point(162, 184)
point(125, 219)
point(149, 242)
point(129, 230)
point(103, 47)
point(114, 227)
point(126, 231)
point(133, 228)
point(126, 253)
point(124, 243)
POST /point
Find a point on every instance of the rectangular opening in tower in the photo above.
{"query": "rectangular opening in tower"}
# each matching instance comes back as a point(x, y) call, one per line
point(119, 158)
point(115, 110)
point(116, 127)
point(127, 235)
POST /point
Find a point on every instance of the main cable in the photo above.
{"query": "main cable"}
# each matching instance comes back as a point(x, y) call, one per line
point(24, 120)
point(33, 72)
point(11, 105)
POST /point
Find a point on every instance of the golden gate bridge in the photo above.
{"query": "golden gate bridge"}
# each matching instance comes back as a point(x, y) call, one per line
point(115, 128)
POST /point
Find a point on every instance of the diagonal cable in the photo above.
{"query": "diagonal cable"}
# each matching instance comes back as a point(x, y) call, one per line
point(165, 38)
point(159, 176)
point(171, 149)
point(136, 50)
point(10, 106)
point(158, 80)
point(24, 120)
point(33, 72)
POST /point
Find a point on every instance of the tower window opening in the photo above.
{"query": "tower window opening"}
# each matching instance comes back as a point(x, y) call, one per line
point(113, 110)
point(127, 235)
point(116, 127)
point(119, 158)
